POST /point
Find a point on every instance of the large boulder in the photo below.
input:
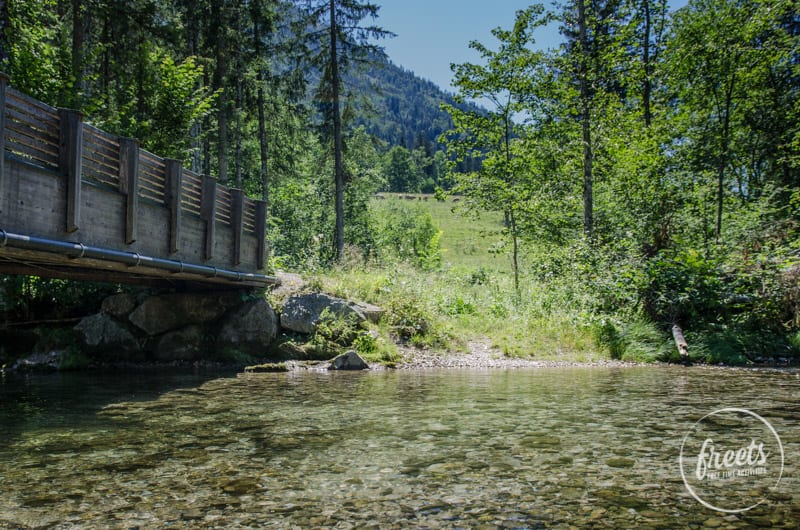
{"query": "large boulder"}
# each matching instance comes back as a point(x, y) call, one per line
point(166, 312)
point(348, 361)
point(119, 305)
point(101, 333)
point(185, 344)
point(302, 313)
point(250, 328)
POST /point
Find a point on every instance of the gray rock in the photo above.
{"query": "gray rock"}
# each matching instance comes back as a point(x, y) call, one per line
point(102, 333)
point(290, 283)
point(184, 344)
point(40, 361)
point(162, 313)
point(302, 313)
point(348, 361)
point(250, 328)
point(119, 305)
point(373, 313)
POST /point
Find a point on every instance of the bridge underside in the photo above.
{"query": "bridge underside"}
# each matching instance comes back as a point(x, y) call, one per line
point(27, 255)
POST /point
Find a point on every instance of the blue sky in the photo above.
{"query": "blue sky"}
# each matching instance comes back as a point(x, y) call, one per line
point(431, 34)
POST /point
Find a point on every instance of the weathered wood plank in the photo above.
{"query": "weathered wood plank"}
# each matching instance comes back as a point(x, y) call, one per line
point(102, 165)
point(29, 139)
point(129, 185)
point(39, 157)
point(20, 99)
point(261, 234)
point(237, 217)
point(90, 173)
point(174, 176)
point(70, 163)
point(47, 132)
point(208, 211)
point(90, 144)
point(102, 138)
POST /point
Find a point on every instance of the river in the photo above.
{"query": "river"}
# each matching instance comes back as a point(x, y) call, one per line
point(536, 448)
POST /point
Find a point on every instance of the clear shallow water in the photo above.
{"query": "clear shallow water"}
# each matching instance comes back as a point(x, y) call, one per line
point(545, 448)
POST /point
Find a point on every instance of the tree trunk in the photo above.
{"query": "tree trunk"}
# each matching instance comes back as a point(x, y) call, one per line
point(337, 135)
point(647, 86)
point(583, 78)
point(514, 253)
point(78, 40)
point(220, 79)
point(239, 97)
point(723, 156)
point(262, 121)
point(4, 28)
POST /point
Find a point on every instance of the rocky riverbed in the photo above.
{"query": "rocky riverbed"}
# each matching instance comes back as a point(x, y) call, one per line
point(480, 354)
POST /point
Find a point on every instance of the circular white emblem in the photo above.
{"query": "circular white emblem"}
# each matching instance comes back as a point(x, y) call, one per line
point(731, 459)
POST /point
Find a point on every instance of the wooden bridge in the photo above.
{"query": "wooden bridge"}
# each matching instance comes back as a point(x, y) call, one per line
point(78, 202)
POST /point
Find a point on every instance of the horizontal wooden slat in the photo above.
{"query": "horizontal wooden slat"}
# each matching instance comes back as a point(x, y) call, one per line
point(103, 138)
point(93, 143)
point(151, 194)
point(92, 174)
point(24, 137)
point(14, 145)
point(48, 130)
point(191, 207)
point(149, 158)
point(24, 99)
point(101, 172)
point(249, 215)
point(108, 163)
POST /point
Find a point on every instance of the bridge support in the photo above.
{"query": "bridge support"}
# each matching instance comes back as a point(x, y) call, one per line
point(129, 184)
point(70, 160)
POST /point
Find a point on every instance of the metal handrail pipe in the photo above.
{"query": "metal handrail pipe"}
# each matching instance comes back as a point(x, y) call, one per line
point(133, 259)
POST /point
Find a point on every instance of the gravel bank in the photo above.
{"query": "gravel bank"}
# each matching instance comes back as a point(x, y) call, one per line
point(481, 355)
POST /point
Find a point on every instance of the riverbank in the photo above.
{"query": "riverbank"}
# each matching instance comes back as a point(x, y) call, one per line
point(481, 355)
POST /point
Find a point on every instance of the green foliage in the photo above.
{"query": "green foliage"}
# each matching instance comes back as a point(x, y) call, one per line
point(406, 233)
point(177, 102)
point(34, 62)
point(636, 340)
point(34, 298)
point(373, 347)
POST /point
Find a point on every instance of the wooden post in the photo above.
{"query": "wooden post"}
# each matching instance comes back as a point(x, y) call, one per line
point(261, 234)
point(3, 85)
point(129, 185)
point(70, 155)
point(174, 177)
point(237, 218)
point(208, 212)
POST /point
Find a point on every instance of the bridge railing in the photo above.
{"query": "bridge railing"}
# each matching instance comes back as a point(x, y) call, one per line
point(58, 140)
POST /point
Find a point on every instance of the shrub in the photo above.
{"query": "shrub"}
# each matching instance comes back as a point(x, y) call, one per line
point(406, 233)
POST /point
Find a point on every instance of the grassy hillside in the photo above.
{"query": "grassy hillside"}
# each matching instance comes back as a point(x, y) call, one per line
point(466, 241)
point(471, 296)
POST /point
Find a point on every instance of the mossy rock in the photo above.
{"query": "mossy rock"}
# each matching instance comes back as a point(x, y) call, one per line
point(266, 368)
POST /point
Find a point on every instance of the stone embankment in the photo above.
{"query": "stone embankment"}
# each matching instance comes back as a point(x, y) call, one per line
point(225, 326)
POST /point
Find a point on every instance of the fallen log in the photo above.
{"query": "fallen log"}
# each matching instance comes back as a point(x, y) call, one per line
point(680, 342)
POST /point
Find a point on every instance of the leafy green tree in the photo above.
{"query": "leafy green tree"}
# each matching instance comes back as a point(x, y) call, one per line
point(346, 41)
point(723, 56)
point(505, 81)
point(400, 171)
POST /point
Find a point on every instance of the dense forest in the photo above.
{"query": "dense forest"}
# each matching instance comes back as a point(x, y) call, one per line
point(651, 161)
